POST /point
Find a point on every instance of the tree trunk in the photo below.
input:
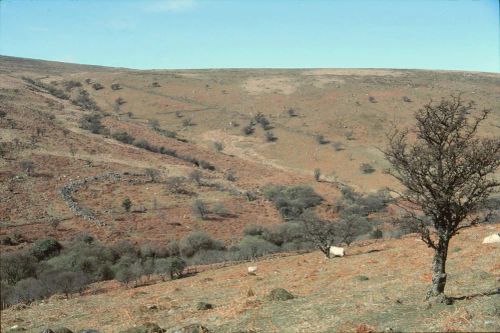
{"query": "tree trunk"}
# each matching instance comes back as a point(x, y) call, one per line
point(439, 269)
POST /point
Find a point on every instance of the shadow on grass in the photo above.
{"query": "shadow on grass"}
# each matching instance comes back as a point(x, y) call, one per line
point(492, 292)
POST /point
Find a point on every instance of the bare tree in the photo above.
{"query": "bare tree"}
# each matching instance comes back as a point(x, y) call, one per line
point(322, 233)
point(447, 173)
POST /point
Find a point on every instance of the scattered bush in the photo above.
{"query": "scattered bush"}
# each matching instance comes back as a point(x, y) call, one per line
point(155, 84)
point(367, 168)
point(270, 137)
point(218, 146)
point(175, 185)
point(116, 86)
point(69, 85)
point(47, 87)
point(372, 99)
point(123, 136)
point(377, 234)
point(219, 209)
point(198, 241)
point(199, 209)
point(230, 175)
point(292, 201)
point(407, 99)
point(154, 123)
point(338, 146)
point(187, 122)
point(45, 248)
point(84, 101)
point(320, 139)
point(317, 174)
point(17, 266)
point(251, 247)
point(292, 113)
point(92, 123)
point(97, 86)
point(127, 204)
point(195, 176)
point(248, 130)
point(27, 166)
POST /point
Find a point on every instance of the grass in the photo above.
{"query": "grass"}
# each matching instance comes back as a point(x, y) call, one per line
point(328, 297)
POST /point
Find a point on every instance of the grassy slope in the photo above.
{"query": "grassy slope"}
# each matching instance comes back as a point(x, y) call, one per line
point(330, 295)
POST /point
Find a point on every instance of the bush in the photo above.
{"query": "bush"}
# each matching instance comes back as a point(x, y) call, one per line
point(248, 130)
point(195, 176)
point(338, 146)
point(230, 176)
point(279, 294)
point(407, 99)
point(173, 267)
point(154, 123)
point(187, 122)
point(27, 166)
point(116, 86)
point(127, 204)
point(84, 101)
point(219, 209)
point(206, 165)
point(218, 146)
point(199, 209)
point(270, 137)
point(349, 135)
point(292, 201)
point(142, 143)
point(366, 168)
point(45, 248)
point(372, 99)
point(123, 136)
point(377, 234)
point(69, 85)
point(198, 241)
point(97, 86)
point(317, 174)
point(320, 139)
point(175, 185)
point(92, 123)
point(292, 113)
point(251, 247)
point(17, 266)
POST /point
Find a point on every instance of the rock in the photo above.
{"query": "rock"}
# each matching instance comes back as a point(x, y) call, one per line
point(493, 238)
point(204, 306)
point(193, 328)
point(63, 330)
point(279, 294)
point(145, 328)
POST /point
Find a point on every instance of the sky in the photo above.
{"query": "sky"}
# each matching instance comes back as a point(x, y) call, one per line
point(173, 34)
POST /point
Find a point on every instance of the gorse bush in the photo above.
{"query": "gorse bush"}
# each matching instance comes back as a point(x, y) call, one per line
point(292, 201)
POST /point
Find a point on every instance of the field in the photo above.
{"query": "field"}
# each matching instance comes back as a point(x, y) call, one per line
point(334, 120)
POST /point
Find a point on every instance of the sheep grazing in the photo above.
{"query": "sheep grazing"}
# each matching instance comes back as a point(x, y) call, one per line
point(337, 251)
point(252, 270)
point(494, 238)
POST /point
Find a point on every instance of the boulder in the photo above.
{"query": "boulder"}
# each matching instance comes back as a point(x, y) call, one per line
point(494, 238)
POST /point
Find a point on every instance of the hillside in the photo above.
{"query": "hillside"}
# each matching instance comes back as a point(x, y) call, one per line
point(378, 286)
point(112, 159)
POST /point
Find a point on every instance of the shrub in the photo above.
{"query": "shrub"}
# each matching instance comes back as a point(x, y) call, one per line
point(317, 174)
point(279, 294)
point(218, 146)
point(230, 175)
point(248, 130)
point(219, 209)
point(377, 234)
point(154, 123)
point(167, 151)
point(116, 86)
point(292, 113)
point(152, 174)
point(84, 101)
point(320, 139)
point(407, 99)
point(173, 267)
point(253, 230)
point(92, 123)
point(45, 248)
point(123, 136)
point(198, 241)
point(199, 209)
point(17, 266)
point(155, 84)
point(270, 137)
point(338, 146)
point(27, 166)
point(126, 204)
point(195, 176)
point(97, 86)
point(175, 185)
point(292, 201)
point(187, 122)
point(120, 101)
point(206, 165)
point(366, 168)
point(251, 247)
point(349, 135)
point(372, 99)
point(69, 85)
